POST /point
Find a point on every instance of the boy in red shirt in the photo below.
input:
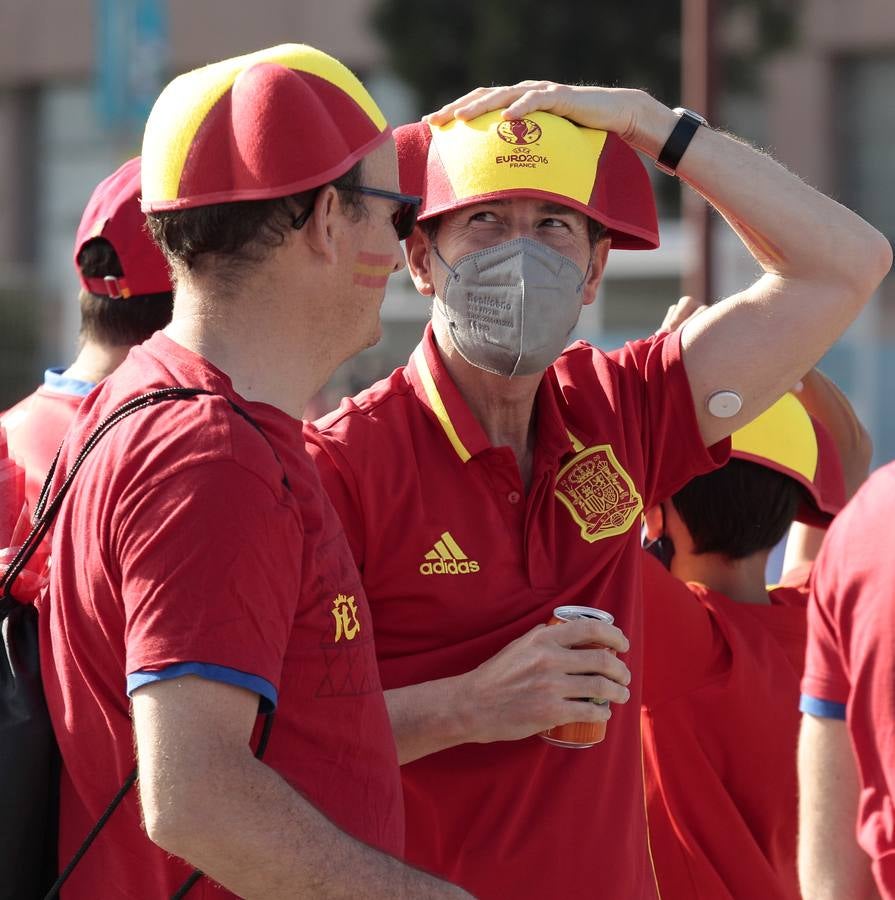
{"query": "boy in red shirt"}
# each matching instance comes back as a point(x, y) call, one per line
point(720, 722)
point(125, 297)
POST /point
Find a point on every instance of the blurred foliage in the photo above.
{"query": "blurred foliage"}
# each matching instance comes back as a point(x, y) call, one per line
point(443, 49)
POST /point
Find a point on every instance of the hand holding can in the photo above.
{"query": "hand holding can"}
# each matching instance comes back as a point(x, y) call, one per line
point(579, 734)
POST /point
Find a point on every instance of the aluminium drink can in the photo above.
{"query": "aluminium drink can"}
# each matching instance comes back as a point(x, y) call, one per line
point(579, 734)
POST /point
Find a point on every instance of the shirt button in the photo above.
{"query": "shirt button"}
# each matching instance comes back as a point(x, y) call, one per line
point(514, 496)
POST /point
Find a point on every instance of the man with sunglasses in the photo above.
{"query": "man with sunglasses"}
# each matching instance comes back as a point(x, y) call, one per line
point(498, 475)
point(200, 576)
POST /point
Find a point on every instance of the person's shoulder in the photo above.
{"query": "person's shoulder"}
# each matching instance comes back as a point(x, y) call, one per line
point(868, 512)
point(11, 418)
point(381, 403)
point(582, 354)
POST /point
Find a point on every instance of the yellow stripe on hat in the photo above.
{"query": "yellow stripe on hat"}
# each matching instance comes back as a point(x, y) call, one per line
point(541, 152)
point(185, 103)
point(783, 435)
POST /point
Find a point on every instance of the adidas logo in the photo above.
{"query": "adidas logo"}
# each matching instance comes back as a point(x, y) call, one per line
point(446, 558)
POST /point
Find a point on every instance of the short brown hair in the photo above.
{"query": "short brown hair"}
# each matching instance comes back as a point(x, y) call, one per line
point(242, 231)
point(117, 321)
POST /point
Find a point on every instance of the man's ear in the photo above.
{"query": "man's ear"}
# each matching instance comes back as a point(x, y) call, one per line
point(597, 265)
point(418, 248)
point(654, 519)
point(325, 223)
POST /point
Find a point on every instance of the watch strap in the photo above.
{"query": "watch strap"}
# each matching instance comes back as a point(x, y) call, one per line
point(686, 126)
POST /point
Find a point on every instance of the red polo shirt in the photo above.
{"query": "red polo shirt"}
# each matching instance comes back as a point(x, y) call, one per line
point(457, 561)
point(720, 726)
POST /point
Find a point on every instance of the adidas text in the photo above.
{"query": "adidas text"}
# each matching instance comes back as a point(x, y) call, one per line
point(449, 567)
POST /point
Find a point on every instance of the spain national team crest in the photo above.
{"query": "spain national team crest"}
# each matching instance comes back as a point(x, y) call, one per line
point(598, 493)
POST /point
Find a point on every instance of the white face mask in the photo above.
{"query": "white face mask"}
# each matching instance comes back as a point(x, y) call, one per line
point(510, 308)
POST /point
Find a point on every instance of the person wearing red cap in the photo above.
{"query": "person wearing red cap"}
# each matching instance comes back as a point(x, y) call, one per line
point(200, 575)
point(125, 297)
point(720, 722)
point(498, 476)
point(846, 755)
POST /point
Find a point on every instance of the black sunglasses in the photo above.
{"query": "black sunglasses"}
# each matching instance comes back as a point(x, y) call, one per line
point(403, 218)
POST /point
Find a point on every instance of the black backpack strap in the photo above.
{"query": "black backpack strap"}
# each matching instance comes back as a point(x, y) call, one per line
point(45, 512)
point(97, 828)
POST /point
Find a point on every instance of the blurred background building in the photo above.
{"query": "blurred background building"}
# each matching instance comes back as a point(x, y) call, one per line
point(812, 81)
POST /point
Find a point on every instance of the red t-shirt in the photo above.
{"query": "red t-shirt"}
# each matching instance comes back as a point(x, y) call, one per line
point(850, 662)
point(36, 425)
point(720, 725)
point(180, 550)
point(458, 562)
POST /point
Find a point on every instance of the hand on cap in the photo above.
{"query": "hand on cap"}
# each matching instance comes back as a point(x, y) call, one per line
point(532, 684)
point(611, 109)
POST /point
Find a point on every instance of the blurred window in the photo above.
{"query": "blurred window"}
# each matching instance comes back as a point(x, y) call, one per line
point(866, 131)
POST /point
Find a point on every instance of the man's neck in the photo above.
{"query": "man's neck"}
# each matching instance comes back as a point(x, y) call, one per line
point(504, 407)
point(95, 361)
point(742, 580)
point(259, 371)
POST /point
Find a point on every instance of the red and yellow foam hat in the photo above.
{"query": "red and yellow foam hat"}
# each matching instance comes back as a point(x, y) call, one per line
point(785, 438)
point(539, 156)
point(256, 127)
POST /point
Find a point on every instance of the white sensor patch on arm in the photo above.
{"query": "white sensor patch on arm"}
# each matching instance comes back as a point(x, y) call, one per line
point(724, 404)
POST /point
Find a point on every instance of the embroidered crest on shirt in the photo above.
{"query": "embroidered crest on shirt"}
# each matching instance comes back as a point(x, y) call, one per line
point(446, 558)
point(598, 493)
point(345, 613)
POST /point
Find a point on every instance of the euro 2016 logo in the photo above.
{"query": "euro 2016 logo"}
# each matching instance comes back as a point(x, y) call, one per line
point(519, 131)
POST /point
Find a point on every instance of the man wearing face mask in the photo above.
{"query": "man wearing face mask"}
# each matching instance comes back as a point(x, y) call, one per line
point(498, 475)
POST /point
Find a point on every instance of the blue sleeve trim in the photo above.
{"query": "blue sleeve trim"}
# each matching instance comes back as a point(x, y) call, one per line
point(823, 709)
point(261, 686)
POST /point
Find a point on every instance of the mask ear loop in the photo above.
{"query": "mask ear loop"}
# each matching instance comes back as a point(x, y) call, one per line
point(590, 265)
point(442, 307)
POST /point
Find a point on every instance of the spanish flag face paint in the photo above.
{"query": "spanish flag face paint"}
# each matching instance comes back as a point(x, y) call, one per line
point(541, 156)
point(372, 270)
point(260, 126)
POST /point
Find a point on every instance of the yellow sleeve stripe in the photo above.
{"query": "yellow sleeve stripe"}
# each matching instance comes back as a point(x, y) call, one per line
point(437, 405)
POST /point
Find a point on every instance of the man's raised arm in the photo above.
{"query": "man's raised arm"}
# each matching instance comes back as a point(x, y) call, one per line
point(821, 261)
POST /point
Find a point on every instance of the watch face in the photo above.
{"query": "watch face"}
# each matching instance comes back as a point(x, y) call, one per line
point(683, 111)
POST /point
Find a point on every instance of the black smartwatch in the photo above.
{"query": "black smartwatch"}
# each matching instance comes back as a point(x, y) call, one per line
point(679, 139)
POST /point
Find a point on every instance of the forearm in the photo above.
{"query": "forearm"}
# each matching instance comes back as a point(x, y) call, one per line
point(823, 400)
point(528, 687)
point(792, 230)
point(831, 864)
point(429, 717)
point(250, 831)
